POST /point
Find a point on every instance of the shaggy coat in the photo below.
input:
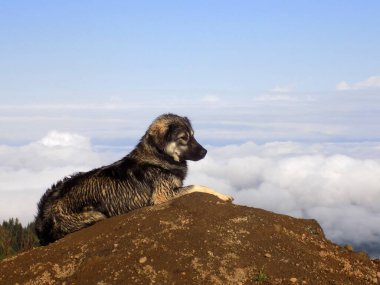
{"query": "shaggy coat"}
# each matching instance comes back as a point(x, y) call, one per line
point(151, 174)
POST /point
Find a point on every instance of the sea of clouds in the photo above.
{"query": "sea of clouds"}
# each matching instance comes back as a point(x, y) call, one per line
point(269, 151)
point(336, 184)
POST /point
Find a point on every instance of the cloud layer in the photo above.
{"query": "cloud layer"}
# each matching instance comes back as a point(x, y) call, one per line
point(330, 183)
point(369, 83)
point(27, 171)
point(219, 118)
point(337, 184)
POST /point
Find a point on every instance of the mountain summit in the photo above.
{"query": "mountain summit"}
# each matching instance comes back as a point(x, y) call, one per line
point(195, 239)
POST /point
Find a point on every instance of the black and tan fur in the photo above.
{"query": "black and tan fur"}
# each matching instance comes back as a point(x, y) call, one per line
point(151, 174)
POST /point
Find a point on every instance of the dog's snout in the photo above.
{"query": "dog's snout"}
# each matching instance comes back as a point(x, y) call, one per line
point(203, 152)
point(198, 151)
point(195, 151)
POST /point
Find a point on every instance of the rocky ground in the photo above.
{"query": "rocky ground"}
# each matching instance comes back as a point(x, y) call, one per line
point(195, 239)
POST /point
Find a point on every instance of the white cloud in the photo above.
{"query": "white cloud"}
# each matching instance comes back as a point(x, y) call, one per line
point(263, 117)
point(59, 139)
point(54, 150)
point(280, 96)
point(27, 171)
point(282, 89)
point(343, 85)
point(330, 183)
point(337, 184)
point(371, 82)
point(279, 93)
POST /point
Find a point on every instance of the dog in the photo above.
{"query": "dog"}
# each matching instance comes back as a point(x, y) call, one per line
point(152, 173)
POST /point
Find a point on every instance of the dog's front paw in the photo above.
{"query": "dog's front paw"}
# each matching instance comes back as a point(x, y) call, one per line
point(225, 198)
point(208, 190)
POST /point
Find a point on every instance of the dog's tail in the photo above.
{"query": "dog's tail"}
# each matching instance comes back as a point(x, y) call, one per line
point(56, 222)
point(43, 220)
point(55, 219)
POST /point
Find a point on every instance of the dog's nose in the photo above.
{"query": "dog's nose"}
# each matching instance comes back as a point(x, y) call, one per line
point(203, 152)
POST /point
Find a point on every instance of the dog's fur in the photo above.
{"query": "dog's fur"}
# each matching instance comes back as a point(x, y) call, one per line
point(151, 174)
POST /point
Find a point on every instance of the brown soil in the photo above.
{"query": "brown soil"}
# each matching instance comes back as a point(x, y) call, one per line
point(195, 239)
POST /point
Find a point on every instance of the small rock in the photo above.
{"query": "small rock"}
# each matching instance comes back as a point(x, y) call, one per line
point(293, 280)
point(349, 247)
point(378, 274)
point(143, 259)
point(115, 246)
point(374, 280)
point(277, 228)
point(268, 255)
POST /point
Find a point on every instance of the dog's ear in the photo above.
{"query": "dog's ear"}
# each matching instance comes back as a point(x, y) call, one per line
point(158, 129)
point(158, 132)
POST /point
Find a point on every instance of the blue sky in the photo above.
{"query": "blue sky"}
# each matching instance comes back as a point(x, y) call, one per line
point(274, 70)
point(284, 94)
point(58, 51)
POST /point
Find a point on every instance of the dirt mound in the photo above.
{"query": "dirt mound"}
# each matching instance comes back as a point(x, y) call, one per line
point(195, 239)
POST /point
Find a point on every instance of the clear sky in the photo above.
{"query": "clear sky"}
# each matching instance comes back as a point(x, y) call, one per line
point(284, 94)
point(272, 70)
point(96, 50)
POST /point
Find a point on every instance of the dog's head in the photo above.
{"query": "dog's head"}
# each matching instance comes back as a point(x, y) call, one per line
point(174, 136)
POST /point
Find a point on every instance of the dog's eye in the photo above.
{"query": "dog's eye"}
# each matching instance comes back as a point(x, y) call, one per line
point(183, 138)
